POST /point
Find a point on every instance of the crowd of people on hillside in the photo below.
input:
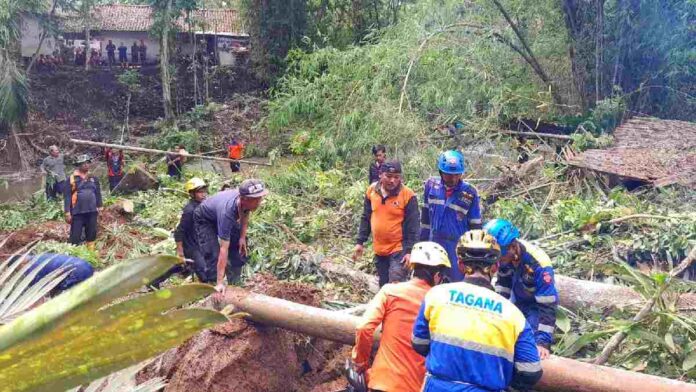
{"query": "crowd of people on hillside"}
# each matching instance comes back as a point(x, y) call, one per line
point(464, 305)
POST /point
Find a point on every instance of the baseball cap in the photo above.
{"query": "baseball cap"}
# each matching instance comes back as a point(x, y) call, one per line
point(252, 188)
point(390, 167)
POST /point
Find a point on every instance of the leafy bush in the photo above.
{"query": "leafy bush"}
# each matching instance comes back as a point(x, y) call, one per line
point(80, 251)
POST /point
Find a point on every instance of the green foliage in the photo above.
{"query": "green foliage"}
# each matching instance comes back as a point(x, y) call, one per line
point(130, 78)
point(523, 214)
point(35, 210)
point(585, 141)
point(80, 251)
point(84, 334)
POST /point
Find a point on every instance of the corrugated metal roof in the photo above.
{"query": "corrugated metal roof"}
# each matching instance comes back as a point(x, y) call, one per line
point(661, 152)
point(121, 17)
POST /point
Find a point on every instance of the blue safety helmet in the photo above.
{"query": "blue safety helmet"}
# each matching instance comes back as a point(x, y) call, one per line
point(503, 231)
point(451, 162)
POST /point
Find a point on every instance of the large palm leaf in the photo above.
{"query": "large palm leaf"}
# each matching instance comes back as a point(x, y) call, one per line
point(84, 333)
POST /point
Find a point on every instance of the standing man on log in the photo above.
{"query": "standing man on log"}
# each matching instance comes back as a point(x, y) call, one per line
point(235, 151)
point(54, 168)
point(114, 164)
point(390, 212)
point(175, 161)
point(526, 277)
point(82, 203)
point(451, 207)
point(397, 367)
point(473, 338)
point(221, 223)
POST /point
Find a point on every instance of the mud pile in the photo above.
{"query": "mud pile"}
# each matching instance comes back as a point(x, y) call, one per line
point(244, 356)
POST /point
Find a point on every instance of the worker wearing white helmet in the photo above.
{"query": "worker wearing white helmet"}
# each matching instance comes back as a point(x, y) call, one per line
point(397, 367)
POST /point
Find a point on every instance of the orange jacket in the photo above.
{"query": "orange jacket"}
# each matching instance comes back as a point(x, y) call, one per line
point(235, 150)
point(397, 367)
point(393, 220)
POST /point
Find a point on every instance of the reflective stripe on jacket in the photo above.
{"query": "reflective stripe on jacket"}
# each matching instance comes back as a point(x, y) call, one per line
point(531, 286)
point(397, 367)
point(445, 219)
point(474, 336)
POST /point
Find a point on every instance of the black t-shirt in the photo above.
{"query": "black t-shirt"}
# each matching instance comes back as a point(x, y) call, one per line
point(110, 48)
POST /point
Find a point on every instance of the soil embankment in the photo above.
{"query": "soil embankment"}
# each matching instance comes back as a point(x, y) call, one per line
point(244, 356)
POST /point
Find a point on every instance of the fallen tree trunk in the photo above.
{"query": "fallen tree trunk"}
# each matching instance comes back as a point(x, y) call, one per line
point(560, 374)
point(538, 134)
point(574, 293)
point(158, 152)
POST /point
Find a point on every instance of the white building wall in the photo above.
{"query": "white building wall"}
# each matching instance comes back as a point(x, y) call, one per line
point(128, 37)
point(31, 35)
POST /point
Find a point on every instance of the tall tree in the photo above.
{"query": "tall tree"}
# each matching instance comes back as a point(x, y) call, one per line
point(13, 84)
point(643, 48)
point(166, 13)
point(274, 27)
point(84, 10)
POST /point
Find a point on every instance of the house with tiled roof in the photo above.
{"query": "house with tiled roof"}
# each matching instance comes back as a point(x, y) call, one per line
point(220, 32)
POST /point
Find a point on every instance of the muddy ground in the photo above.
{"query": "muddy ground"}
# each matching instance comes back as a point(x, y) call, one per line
point(244, 356)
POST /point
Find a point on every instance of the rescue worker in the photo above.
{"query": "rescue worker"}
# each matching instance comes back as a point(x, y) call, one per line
point(390, 212)
point(235, 151)
point(79, 269)
point(114, 163)
point(54, 168)
point(473, 338)
point(397, 367)
point(451, 207)
point(185, 234)
point(185, 238)
point(221, 223)
point(82, 203)
point(175, 161)
point(379, 152)
point(526, 277)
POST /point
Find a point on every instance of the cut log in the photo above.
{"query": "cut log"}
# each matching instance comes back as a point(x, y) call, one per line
point(159, 152)
point(574, 293)
point(137, 179)
point(560, 374)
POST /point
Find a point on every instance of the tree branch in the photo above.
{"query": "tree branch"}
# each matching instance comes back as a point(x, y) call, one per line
point(619, 337)
point(530, 58)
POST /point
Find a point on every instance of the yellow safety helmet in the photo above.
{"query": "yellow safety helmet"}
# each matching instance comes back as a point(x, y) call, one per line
point(478, 247)
point(194, 183)
point(429, 254)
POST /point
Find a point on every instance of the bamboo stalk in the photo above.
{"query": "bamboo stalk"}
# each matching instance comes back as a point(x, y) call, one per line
point(153, 151)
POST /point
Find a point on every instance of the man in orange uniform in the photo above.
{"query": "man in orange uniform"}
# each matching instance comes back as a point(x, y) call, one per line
point(235, 150)
point(390, 212)
point(397, 367)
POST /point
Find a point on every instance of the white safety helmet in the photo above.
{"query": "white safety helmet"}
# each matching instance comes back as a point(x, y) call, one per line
point(429, 254)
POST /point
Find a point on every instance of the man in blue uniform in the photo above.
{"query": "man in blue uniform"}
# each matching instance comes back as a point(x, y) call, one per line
point(473, 338)
point(221, 223)
point(82, 202)
point(526, 277)
point(451, 207)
